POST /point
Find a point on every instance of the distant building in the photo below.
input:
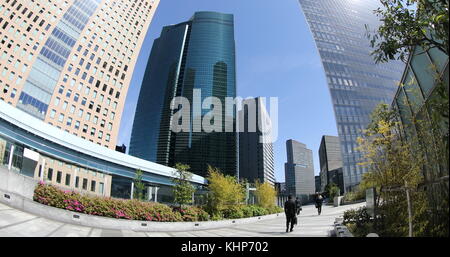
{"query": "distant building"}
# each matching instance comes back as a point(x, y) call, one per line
point(282, 196)
point(330, 163)
point(121, 148)
point(317, 182)
point(280, 188)
point(256, 158)
point(299, 170)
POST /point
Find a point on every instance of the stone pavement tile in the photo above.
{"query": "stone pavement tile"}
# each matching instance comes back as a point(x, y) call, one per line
point(181, 234)
point(157, 234)
point(33, 228)
point(111, 233)
point(223, 232)
point(69, 230)
point(95, 232)
point(4, 207)
point(234, 232)
point(205, 233)
point(8, 217)
point(131, 233)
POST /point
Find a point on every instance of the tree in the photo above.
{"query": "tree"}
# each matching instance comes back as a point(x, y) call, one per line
point(409, 23)
point(265, 194)
point(139, 186)
point(333, 191)
point(395, 170)
point(183, 189)
point(224, 191)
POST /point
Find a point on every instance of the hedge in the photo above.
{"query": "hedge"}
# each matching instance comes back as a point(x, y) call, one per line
point(115, 208)
point(138, 210)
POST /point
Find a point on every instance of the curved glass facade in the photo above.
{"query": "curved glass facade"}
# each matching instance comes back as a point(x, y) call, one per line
point(355, 82)
point(44, 74)
point(195, 55)
point(113, 172)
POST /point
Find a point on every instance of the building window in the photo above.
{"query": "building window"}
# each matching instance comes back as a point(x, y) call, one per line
point(67, 179)
point(85, 183)
point(77, 181)
point(50, 174)
point(58, 177)
point(93, 185)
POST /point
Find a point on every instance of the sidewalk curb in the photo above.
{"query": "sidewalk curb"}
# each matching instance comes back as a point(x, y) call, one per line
point(81, 219)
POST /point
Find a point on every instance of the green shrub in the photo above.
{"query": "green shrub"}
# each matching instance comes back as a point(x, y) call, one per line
point(192, 213)
point(275, 209)
point(138, 210)
point(233, 212)
point(354, 196)
point(359, 222)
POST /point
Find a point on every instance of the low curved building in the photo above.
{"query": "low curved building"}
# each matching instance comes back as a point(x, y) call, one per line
point(36, 149)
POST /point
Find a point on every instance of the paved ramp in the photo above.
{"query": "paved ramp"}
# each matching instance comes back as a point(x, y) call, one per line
point(14, 222)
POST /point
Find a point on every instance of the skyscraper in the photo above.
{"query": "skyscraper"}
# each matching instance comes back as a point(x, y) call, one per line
point(196, 60)
point(355, 82)
point(256, 158)
point(330, 162)
point(70, 62)
point(299, 170)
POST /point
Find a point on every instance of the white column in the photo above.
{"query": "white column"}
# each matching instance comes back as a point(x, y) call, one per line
point(132, 189)
point(105, 184)
point(156, 194)
point(42, 170)
point(75, 173)
point(149, 193)
point(10, 157)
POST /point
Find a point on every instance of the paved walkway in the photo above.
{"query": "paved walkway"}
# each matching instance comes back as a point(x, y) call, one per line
point(14, 222)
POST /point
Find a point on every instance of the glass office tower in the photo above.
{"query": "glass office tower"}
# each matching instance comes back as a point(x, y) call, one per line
point(70, 62)
point(195, 55)
point(299, 170)
point(355, 82)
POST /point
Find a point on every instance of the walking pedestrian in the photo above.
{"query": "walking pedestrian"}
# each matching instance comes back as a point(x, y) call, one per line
point(319, 201)
point(290, 211)
point(298, 205)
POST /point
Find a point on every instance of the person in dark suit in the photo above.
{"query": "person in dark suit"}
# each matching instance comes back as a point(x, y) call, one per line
point(319, 201)
point(290, 211)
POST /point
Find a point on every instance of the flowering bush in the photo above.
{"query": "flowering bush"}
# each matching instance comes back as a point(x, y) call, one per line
point(137, 210)
point(102, 206)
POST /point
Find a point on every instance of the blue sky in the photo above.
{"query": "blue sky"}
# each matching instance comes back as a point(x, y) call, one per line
point(275, 57)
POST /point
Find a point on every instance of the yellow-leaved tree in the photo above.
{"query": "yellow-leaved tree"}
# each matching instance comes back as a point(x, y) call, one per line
point(265, 195)
point(224, 191)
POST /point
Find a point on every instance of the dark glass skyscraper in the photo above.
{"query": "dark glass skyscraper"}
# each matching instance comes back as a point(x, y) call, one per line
point(299, 170)
point(355, 82)
point(195, 55)
point(256, 158)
